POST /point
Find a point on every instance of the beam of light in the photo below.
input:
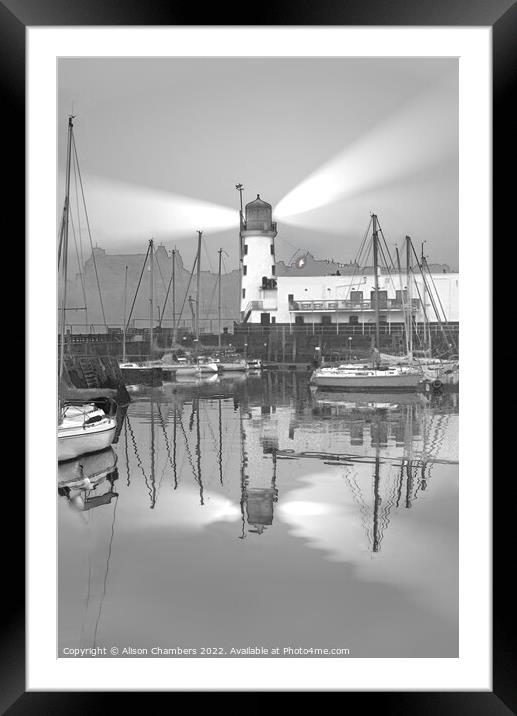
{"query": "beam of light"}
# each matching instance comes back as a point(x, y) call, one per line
point(120, 212)
point(422, 134)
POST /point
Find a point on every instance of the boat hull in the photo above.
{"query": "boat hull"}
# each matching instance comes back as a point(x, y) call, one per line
point(392, 383)
point(233, 367)
point(75, 441)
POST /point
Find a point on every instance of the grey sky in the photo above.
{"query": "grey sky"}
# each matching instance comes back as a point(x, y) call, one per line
point(381, 134)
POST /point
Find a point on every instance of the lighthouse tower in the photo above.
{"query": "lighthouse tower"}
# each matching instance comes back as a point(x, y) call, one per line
point(258, 282)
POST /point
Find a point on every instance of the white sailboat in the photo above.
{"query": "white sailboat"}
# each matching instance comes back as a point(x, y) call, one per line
point(390, 377)
point(82, 427)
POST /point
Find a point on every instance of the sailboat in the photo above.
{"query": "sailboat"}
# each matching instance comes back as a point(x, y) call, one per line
point(83, 427)
point(436, 371)
point(377, 377)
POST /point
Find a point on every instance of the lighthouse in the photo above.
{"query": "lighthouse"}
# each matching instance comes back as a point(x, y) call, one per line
point(258, 282)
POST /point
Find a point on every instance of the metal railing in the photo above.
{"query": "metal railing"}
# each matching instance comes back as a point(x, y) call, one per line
point(348, 305)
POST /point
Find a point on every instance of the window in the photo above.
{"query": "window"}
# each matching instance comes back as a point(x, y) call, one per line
point(272, 250)
point(264, 319)
point(268, 283)
point(290, 297)
point(244, 293)
point(383, 298)
point(272, 270)
point(354, 320)
point(326, 320)
point(245, 249)
point(401, 297)
point(273, 319)
point(299, 320)
point(244, 270)
point(356, 296)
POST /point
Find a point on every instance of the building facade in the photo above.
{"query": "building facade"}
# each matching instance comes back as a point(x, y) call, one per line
point(338, 298)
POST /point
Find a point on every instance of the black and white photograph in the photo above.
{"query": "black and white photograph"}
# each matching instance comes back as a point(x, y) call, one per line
point(258, 332)
point(251, 462)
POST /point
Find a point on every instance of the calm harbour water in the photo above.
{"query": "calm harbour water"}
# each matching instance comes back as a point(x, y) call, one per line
point(251, 512)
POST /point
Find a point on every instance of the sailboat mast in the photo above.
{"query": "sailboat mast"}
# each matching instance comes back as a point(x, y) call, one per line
point(219, 301)
point(151, 295)
point(409, 295)
point(66, 215)
point(198, 281)
point(124, 327)
point(173, 296)
point(376, 280)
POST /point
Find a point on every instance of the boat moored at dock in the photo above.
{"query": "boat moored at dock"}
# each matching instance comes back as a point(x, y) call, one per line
point(82, 429)
point(365, 378)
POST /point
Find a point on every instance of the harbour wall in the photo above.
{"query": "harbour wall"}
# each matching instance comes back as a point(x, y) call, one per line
point(280, 343)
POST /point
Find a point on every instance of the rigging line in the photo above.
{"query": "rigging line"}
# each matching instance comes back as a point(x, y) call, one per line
point(60, 235)
point(364, 244)
point(138, 286)
point(430, 292)
point(451, 336)
point(106, 573)
point(357, 495)
point(80, 272)
point(413, 320)
point(446, 333)
point(210, 425)
point(165, 301)
point(434, 286)
point(160, 271)
point(217, 446)
point(207, 254)
point(386, 244)
point(166, 437)
point(358, 259)
point(89, 231)
point(139, 461)
point(207, 310)
point(78, 216)
point(187, 446)
point(289, 243)
point(186, 292)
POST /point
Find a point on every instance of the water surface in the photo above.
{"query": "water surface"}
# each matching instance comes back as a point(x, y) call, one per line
point(251, 512)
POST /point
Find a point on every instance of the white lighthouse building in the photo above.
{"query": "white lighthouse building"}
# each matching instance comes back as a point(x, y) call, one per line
point(258, 281)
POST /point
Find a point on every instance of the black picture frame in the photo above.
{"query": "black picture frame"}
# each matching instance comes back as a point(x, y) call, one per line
point(15, 16)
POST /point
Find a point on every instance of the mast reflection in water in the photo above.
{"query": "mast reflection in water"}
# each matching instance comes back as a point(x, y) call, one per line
point(256, 512)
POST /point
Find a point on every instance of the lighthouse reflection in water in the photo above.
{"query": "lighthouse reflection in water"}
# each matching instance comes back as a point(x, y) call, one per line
point(252, 512)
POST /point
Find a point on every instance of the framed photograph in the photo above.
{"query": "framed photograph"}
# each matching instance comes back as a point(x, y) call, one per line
point(250, 249)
